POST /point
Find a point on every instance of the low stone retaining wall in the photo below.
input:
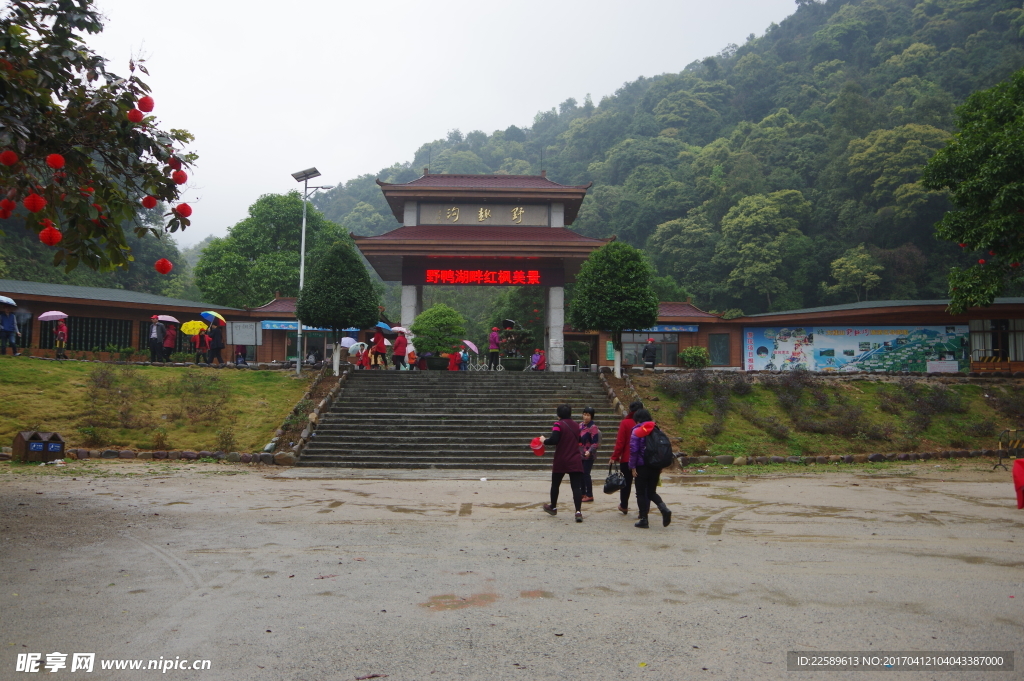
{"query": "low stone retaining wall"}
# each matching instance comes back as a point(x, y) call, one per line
point(171, 455)
point(726, 460)
point(255, 366)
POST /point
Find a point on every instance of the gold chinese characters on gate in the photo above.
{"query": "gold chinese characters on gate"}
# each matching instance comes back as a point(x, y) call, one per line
point(490, 214)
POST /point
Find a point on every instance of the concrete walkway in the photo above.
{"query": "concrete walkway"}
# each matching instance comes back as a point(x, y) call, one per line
point(312, 574)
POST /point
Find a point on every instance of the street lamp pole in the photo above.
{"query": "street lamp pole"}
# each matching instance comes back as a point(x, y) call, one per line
point(303, 176)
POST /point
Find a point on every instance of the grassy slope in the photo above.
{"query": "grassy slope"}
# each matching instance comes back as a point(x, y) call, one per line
point(52, 396)
point(741, 438)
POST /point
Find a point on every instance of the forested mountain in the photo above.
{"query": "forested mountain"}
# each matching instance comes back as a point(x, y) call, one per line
point(782, 173)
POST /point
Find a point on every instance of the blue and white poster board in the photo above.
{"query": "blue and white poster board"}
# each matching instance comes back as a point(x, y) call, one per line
point(856, 348)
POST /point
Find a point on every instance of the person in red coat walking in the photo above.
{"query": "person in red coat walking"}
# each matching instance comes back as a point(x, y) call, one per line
point(620, 454)
point(398, 350)
point(454, 358)
point(565, 437)
point(170, 340)
point(380, 351)
point(202, 344)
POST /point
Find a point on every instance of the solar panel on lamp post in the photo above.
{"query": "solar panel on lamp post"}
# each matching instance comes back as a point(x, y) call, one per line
point(303, 176)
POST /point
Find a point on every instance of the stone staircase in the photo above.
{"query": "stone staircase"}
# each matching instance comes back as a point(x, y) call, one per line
point(449, 419)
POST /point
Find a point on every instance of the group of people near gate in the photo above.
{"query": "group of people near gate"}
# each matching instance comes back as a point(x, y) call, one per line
point(208, 345)
point(403, 356)
point(576, 446)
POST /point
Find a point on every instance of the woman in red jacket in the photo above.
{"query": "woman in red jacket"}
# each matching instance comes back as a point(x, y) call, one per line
point(170, 340)
point(620, 454)
point(398, 350)
point(202, 343)
point(380, 351)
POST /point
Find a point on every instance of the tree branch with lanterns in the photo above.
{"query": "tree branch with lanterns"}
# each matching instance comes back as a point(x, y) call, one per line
point(80, 150)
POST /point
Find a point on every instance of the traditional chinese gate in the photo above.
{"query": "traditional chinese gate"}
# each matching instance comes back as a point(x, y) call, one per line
point(483, 230)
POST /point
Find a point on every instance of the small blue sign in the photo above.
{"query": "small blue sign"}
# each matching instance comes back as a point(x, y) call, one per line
point(287, 326)
point(35, 446)
point(53, 446)
point(669, 328)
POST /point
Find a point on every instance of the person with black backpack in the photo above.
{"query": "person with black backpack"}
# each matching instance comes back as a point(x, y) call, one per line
point(648, 447)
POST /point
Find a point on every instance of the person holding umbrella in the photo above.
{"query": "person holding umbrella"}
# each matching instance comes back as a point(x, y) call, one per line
point(216, 345)
point(201, 341)
point(60, 338)
point(9, 332)
point(157, 331)
point(398, 350)
point(493, 346)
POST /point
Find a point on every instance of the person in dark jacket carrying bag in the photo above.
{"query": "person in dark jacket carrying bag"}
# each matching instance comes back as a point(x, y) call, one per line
point(646, 477)
point(565, 437)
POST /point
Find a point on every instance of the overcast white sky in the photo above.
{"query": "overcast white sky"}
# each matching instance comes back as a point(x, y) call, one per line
point(271, 88)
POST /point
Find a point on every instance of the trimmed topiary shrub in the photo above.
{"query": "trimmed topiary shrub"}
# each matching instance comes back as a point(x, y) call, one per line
point(695, 357)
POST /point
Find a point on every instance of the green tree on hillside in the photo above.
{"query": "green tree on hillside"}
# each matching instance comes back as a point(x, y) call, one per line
point(260, 255)
point(613, 292)
point(855, 271)
point(982, 167)
point(756, 235)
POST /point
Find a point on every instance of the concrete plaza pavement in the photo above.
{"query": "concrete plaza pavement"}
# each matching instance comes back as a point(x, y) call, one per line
point(322, 575)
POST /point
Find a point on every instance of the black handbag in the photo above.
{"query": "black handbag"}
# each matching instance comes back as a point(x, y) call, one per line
point(615, 480)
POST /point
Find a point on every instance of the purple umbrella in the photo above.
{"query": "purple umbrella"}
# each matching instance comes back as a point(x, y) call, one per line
point(52, 315)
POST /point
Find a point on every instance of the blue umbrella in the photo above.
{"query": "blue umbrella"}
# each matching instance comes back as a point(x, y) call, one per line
point(384, 326)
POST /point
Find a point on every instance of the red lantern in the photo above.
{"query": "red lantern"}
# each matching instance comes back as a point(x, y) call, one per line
point(981, 261)
point(179, 177)
point(962, 245)
point(85, 191)
point(163, 266)
point(174, 163)
point(149, 202)
point(4, 214)
point(8, 157)
point(146, 104)
point(7, 205)
point(184, 210)
point(1014, 265)
point(55, 161)
point(34, 203)
point(136, 116)
point(50, 236)
point(991, 252)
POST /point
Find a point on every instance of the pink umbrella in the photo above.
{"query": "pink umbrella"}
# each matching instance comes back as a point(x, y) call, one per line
point(469, 344)
point(167, 318)
point(52, 315)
